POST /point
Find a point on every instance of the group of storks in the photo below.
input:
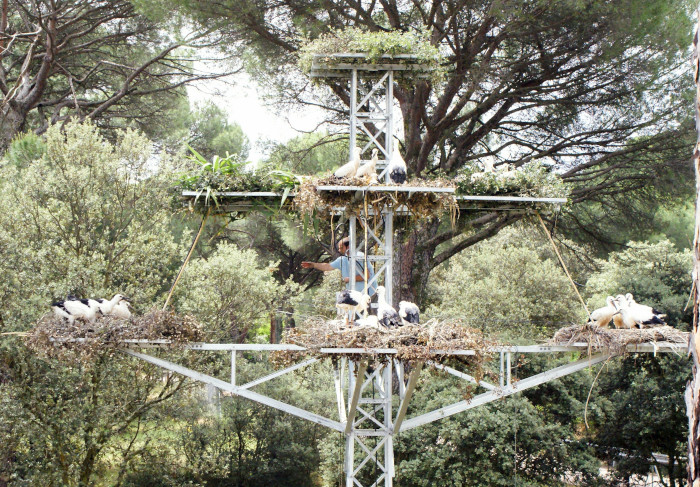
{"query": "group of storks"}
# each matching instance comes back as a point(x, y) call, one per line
point(72, 308)
point(351, 303)
point(625, 312)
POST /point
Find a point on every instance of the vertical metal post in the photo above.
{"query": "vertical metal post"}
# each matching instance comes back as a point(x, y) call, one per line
point(353, 112)
point(353, 251)
point(389, 129)
point(508, 359)
point(389, 254)
point(388, 425)
point(233, 367)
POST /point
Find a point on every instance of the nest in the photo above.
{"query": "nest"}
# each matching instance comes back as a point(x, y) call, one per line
point(432, 341)
point(617, 340)
point(420, 204)
point(83, 340)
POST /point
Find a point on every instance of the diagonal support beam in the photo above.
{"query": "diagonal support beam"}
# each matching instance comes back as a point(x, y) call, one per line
point(464, 376)
point(499, 393)
point(226, 386)
point(255, 382)
point(352, 410)
point(412, 381)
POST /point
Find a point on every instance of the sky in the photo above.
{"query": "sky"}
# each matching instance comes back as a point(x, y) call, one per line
point(240, 99)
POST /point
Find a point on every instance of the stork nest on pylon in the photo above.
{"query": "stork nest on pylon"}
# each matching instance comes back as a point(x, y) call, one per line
point(616, 340)
point(83, 340)
point(434, 341)
point(309, 201)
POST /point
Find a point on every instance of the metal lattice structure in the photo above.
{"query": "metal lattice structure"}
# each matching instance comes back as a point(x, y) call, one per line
point(373, 400)
point(371, 411)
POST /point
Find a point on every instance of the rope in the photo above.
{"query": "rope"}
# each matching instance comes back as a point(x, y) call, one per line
point(561, 261)
point(187, 259)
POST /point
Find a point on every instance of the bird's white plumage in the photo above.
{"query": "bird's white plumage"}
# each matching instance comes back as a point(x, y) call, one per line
point(386, 314)
point(409, 313)
point(369, 168)
point(351, 301)
point(396, 169)
point(60, 311)
point(106, 306)
point(85, 308)
point(121, 310)
point(636, 315)
point(349, 169)
point(601, 317)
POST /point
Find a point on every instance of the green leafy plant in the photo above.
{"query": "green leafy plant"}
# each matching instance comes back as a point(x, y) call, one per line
point(374, 45)
point(532, 179)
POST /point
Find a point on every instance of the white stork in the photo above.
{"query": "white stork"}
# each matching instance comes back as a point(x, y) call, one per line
point(351, 301)
point(397, 166)
point(349, 169)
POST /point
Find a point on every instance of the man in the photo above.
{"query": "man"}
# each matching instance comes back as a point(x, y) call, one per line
point(342, 264)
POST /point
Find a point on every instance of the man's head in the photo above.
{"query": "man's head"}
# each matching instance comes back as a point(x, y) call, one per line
point(343, 245)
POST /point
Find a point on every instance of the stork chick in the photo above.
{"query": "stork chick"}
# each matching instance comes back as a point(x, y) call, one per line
point(349, 169)
point(409, 313)
point(386, 314)
point(397, 166)
point(369, 168)
point(601, 317)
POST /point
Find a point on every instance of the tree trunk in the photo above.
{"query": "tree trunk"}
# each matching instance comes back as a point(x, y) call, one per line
point(692, 392)
point(11, 123)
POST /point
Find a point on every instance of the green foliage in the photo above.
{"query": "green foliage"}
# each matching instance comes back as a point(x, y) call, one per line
point(532, 179)
point(502, 444)
point(25, 149)
point(89, 218)
point(230, 293)
point(657, 274)
point(641, 410)
point(211, 133)
point(374, 44)
point(510, 285)
point(310, 154)
point(230, 173)
point(74, 423)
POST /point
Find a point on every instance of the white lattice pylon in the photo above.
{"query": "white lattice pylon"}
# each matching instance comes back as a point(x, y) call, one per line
point(382, 259)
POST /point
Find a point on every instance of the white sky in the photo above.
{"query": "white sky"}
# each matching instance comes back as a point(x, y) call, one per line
point(258, 122)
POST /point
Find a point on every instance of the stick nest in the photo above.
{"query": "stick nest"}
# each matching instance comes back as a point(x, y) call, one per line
point(55, 337)
point(420, 204)
point(430, 341)
point(617, 340)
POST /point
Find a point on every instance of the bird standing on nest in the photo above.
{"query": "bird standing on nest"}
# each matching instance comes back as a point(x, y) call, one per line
point(601, 317)
point(349, 170)
point(636, 315)
point(351, 302)
point(397, 166)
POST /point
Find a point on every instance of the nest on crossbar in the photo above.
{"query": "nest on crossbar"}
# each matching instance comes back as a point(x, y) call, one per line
point(616, 340)
point(83, 340)
point(420, 204)
point(434, 341)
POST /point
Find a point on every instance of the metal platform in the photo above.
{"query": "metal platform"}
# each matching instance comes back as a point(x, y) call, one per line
point(371, 411)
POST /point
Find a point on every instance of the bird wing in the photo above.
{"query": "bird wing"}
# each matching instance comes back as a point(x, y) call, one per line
point(346, 298)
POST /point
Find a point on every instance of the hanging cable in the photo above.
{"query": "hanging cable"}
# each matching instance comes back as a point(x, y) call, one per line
point(561, 261)
point(187, 259)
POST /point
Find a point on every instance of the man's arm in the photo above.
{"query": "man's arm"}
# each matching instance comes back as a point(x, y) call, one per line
point(319, 266)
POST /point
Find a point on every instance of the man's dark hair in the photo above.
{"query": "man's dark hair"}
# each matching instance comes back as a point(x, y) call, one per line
point(345, 241)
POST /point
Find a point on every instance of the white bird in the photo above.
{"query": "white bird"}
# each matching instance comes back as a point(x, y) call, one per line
point(351, 301)
point(82, 308)
point(60, 311)
point(349, 169)
point(397, 166)
point(601, 317)
point(369, 168)
point(644, 314)
point(121, 310)
point(409, 313)
point(106, 306)
point(371, 320)
point(386, 314)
